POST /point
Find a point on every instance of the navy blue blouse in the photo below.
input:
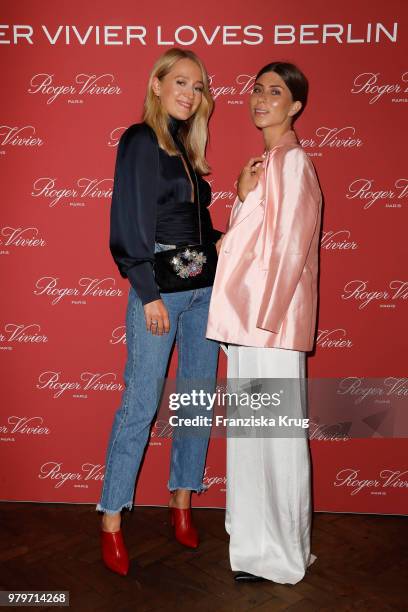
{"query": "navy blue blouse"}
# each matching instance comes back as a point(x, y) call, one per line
point(151, 202)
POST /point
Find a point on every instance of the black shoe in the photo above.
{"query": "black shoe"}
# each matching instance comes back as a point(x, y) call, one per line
point(246, 577)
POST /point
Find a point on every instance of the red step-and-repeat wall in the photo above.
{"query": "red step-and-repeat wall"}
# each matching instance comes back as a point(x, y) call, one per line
point(74, 77)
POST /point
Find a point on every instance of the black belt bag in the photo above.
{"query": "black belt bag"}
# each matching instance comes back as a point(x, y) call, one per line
point(187, 267)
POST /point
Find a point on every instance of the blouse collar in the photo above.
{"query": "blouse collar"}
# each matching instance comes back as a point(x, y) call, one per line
point(174, 125)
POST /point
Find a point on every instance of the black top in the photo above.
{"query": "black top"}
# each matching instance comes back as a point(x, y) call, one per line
point(151, 202)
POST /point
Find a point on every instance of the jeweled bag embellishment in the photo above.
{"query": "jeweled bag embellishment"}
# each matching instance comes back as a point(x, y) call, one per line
point(188, 263)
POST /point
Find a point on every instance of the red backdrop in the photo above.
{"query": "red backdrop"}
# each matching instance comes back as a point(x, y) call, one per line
point(74, 78)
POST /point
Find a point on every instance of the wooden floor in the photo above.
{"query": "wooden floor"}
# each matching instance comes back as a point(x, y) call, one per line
point(362, 563)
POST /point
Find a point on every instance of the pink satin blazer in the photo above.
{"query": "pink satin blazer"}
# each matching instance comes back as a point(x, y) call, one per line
point(265, 290)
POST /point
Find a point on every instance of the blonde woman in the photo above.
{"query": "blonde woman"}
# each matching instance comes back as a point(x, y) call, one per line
point(158, 192)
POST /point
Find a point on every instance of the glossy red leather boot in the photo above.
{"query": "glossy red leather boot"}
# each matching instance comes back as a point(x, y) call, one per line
point(114, 553)
point(184, 529)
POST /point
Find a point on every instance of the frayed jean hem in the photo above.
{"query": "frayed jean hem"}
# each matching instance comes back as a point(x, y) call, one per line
point(99, 508)
point(201, 489)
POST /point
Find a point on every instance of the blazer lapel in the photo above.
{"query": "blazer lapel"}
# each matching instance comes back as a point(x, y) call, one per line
point(241, 210)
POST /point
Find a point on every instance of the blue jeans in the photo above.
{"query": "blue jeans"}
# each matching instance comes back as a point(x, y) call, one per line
point(146, 365)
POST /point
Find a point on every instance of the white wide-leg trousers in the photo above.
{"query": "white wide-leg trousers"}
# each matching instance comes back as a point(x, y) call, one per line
point(269, 510)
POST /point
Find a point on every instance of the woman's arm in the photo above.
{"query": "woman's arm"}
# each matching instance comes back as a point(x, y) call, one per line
point(133, 210)
point(292, 209)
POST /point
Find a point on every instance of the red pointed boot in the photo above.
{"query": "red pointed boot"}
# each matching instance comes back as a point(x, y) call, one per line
point(114, 553)
point(184, 530)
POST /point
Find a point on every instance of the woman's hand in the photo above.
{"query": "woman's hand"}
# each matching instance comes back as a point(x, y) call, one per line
point(248, 179)
point(218, 243)
point(157, 318)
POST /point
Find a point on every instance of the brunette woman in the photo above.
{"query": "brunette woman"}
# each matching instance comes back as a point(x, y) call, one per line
point(264, 305)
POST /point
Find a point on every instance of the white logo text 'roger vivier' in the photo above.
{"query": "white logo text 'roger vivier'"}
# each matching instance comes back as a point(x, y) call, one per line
point(19, 136)
point(89, 84)
point(25, 425)
point(95, 287)
point(362, 189)
point(357, 290)
point(96, 189)
point(350, 477)
point(89, 381)
point(21, 237)
point(338, 240)
point(327, 137)
point(21, 333)
point(53, 470)
point(333, 338)
point(368, 83)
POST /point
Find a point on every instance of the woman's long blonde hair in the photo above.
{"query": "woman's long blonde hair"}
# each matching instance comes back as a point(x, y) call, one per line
point(194, 131)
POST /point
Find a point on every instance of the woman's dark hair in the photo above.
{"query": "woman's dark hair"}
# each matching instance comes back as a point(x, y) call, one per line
point(294, 80)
